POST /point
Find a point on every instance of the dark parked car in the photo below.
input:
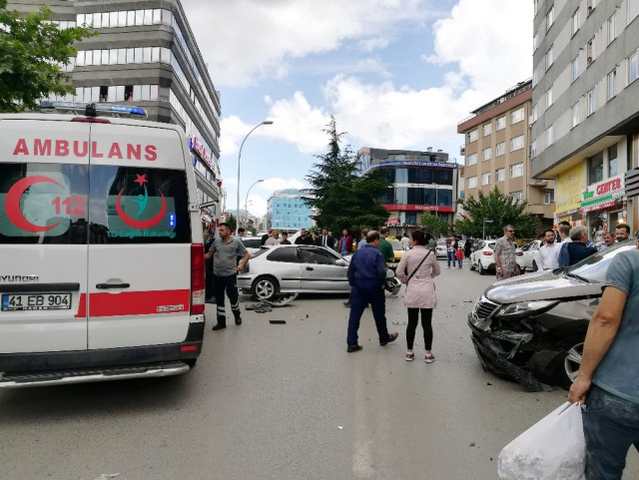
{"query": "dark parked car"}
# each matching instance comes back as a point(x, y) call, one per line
point(531, 328)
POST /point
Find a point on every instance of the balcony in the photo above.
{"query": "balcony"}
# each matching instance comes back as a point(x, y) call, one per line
point(546, 211)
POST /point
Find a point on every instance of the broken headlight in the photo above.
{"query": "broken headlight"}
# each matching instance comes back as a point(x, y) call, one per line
point(525, 309)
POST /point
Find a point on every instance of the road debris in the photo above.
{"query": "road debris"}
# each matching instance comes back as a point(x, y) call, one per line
point(277, 322)
point(107, 476)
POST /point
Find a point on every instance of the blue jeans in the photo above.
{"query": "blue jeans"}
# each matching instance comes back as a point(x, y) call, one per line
point(611, 426)
point(451, 258)
point(360, 298)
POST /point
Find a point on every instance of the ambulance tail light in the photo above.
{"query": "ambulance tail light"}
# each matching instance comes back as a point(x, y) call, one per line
point(198, 286)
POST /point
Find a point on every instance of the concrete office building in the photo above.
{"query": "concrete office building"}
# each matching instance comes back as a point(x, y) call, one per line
point(146, 54)
point(422, 181)
point(586, 107)
point(497, 139)
point(287, 210)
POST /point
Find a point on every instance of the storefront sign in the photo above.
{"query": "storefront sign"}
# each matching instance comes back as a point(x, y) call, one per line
point(408, 163)
point(197, 147)
point(603, 195)
point(418, 208)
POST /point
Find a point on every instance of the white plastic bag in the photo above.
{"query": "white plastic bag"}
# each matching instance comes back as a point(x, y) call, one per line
point(552, 449)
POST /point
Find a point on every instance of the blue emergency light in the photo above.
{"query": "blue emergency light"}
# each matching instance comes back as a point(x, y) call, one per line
point(92, 109)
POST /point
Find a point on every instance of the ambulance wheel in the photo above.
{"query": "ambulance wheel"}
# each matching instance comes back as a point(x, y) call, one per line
point(265, 288)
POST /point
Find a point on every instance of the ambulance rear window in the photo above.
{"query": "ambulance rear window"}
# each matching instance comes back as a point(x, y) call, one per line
point(43, 203)
point(138, 205)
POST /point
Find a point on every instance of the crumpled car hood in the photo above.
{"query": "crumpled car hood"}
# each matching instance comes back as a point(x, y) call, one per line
point(541, 286)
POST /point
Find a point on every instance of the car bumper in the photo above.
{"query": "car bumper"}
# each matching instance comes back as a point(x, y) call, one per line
point(495, 352)
point(51, 368)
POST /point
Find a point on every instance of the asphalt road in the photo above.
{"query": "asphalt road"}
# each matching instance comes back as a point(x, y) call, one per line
point(286, 402)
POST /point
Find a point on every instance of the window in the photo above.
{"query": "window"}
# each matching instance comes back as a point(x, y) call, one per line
point(139, 17)
point(157, 16)
point(517, 170)
point(633, 67)
point(317, 256)
point(533, 116)
point(576, 114)
point(500, 149)
point(517, 143)
point(550, 135)
point(611, 28)
point(128, 93)
point(550, 17)
point(122, 18)
point(443, 177)
point(575, 68)
point(167, 192)
point(517, 116)
point(113, 57)
point(148, 17)
point(575, 22)
point(500, 175)
point(485, 178)
point(472, 182)
point(590, 103)
point(105, 57)
point(632, 10)
point(471, 159)
point(611, 81)
point(121, 56)
point(488, 153)
point(517, 196)
point(596, 168)
point(533, 148)
point(549, 98)
point(549, 58)
point(88, 57)
point(130, 55)
point(415, 175)
point(130, 20)
point(79, 59)
point(104, 94)
point(473, 136)
point(500, 124)
point(62, 209)
point(549, 197)
point(613, 162)
point(488, 129)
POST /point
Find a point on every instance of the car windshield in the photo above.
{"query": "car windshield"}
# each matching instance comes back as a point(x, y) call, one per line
point(595, 267)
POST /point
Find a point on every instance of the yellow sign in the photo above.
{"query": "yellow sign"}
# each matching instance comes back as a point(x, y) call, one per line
point(569, 188)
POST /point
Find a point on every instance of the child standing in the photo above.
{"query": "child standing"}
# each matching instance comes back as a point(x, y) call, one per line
point(459, 255)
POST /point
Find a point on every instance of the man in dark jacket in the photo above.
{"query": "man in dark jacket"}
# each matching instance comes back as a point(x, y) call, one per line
point(326, 240)
point(366, 275)
point(577, 249)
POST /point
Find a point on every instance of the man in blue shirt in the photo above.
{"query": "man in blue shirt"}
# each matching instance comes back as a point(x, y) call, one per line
point(608, 382)
point(366, 275)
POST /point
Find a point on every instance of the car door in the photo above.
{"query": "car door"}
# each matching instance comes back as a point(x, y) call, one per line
point(285, 264)
point(44, 184)
point(322, 270)
point(140, 238)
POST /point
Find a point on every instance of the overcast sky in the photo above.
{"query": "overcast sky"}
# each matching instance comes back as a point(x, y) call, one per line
point(395, 73)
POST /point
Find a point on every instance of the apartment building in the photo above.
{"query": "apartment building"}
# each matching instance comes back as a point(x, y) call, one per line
point(496, 150)
point(586, 107)
point(145, 54)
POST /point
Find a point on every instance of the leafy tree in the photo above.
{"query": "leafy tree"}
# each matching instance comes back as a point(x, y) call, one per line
point(501, 210)
point(434, 225)
point(341, 197)
point(31, 52)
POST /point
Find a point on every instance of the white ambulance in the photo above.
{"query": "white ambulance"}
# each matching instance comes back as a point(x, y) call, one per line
point(101, 250)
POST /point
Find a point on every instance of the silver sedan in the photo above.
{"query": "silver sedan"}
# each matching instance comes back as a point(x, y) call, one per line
point(294, 269)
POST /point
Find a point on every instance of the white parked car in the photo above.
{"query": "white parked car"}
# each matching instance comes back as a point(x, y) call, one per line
point(441, 250)
point(483, 259)
point(527, 256)
point(252, 244)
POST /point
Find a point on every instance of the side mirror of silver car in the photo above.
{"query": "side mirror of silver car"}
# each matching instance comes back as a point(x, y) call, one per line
point(340, 262)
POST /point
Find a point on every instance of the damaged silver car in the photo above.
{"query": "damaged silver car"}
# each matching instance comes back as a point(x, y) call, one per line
point(531, 328)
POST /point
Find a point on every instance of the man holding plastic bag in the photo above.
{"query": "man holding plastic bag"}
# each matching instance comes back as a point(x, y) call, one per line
point(608, 381)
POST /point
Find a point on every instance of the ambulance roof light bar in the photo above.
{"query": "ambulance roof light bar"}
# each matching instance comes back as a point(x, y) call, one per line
point(93, 109)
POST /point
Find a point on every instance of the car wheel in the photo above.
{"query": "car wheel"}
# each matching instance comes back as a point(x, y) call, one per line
point(472, 266)
point(482, 270)
point(572, 362)
point(265, 288)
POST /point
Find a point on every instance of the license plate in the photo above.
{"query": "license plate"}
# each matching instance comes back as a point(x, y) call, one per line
point(36, 301)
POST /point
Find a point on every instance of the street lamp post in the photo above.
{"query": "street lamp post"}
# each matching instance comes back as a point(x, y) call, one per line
point(247, 195)
point(239, 160)
point(486, 220)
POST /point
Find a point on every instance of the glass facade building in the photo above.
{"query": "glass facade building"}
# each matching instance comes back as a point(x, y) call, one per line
point(420, 182)
point(287, 210)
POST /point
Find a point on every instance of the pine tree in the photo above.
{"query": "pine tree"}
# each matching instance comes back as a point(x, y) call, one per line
point(341, 197)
